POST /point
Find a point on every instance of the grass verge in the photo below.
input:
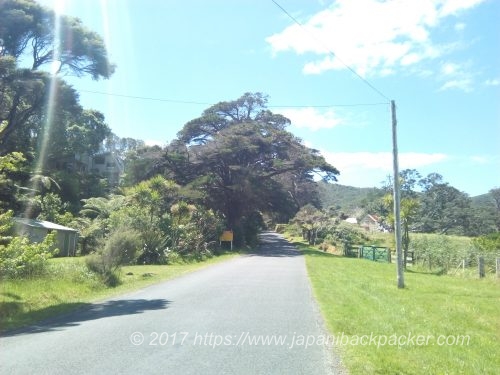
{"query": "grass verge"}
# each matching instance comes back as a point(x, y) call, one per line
point(457, 319)
point(69, 285)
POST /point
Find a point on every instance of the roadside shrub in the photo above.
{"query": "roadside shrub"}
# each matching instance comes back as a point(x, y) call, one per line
point(120, 248)
point(195, 236)
point(251, 227)
point(294, 229)
point(442, 253)
point(488, 246)
point(154, 247)
point(172, 257)
point(21, 258)
point(344, 235)
point(280, 228)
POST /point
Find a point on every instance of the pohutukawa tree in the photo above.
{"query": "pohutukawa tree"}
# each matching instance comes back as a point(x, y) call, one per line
point(239, 160)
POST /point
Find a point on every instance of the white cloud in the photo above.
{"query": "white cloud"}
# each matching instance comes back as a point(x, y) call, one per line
point(479, 159)
point(449, 69)
point(456, 76)
point(492, 82)
point(452, 7)
point(310, 118)
point(371, 36)
point(464, 84)
point(460, 26)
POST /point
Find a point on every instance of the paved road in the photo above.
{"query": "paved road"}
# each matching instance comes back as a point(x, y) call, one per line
point(251, 315)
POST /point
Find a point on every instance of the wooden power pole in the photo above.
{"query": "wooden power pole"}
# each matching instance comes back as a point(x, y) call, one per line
point(397, 200)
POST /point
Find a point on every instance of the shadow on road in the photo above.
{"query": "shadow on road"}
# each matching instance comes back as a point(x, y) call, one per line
point(86, 312)
point(272, 244)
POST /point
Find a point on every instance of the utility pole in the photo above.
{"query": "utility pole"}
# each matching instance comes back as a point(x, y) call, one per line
point(397, 199)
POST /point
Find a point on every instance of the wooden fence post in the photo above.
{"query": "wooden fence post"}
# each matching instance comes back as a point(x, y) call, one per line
point(481, 267)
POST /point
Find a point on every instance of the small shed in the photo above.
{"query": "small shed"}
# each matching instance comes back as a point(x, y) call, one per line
point(36, 230)
point(351, 220)
point(372, 223)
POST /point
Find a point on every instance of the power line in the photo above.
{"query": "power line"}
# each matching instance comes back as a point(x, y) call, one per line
point(147, 98)
point(331, 52)
point(175, 101)
point(328, 105)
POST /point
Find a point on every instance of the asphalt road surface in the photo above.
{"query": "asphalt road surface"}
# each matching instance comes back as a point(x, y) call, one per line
point(254, 314)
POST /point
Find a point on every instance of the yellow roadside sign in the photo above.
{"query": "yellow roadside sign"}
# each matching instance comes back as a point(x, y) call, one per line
point(227, 235)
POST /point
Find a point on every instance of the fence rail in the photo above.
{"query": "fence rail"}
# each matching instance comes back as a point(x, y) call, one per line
point(384, 254)
point(374, 253)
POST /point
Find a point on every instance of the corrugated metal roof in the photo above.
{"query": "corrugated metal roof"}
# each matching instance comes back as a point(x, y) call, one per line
point(43, 224)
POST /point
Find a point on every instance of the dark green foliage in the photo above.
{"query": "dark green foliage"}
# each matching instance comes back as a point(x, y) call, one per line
point(442, 253)
point(27, 29)
point(10, 166)
point(435, 206)
point(488, 246)
point(154, 247)
point(21, 258)
point(312, 222)
point(437, 252)
point(120, 248)
point(347, 199)
point(239, 159)
point(280, 228)
point(344, 235)
point(251, 226)
point(193, 231)
point(141, 164)
point(50, 143)
point(6, 224)
point(444, 209)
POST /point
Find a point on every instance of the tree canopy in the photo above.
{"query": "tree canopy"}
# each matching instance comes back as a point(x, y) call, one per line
point(242, 159)
point(28, 42)
point(28, 29)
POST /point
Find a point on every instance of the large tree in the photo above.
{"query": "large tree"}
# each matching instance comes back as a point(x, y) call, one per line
point(495, 194)
point(241, 159)
point(28, 30)
point(444, 209)
point(40, 113)
point(23, 94)
point(28, 42)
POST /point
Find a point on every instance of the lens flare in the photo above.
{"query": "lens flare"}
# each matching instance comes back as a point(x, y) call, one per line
point(48, 121)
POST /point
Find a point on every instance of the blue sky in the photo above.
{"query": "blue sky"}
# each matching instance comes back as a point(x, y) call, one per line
point(438, 59)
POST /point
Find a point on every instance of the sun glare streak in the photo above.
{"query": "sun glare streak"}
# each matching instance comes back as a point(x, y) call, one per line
point(114, 15)
point(51, 101)
point(105, 23)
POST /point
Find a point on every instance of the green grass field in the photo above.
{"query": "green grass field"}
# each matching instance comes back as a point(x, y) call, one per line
point(387, 239)
point(69, 285)
point(445, 324)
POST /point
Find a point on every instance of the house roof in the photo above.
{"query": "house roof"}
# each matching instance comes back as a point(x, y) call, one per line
point(43, 224)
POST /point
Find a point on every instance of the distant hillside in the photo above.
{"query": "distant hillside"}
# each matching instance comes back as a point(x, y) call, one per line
point(346, 198)
point(483, 200)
